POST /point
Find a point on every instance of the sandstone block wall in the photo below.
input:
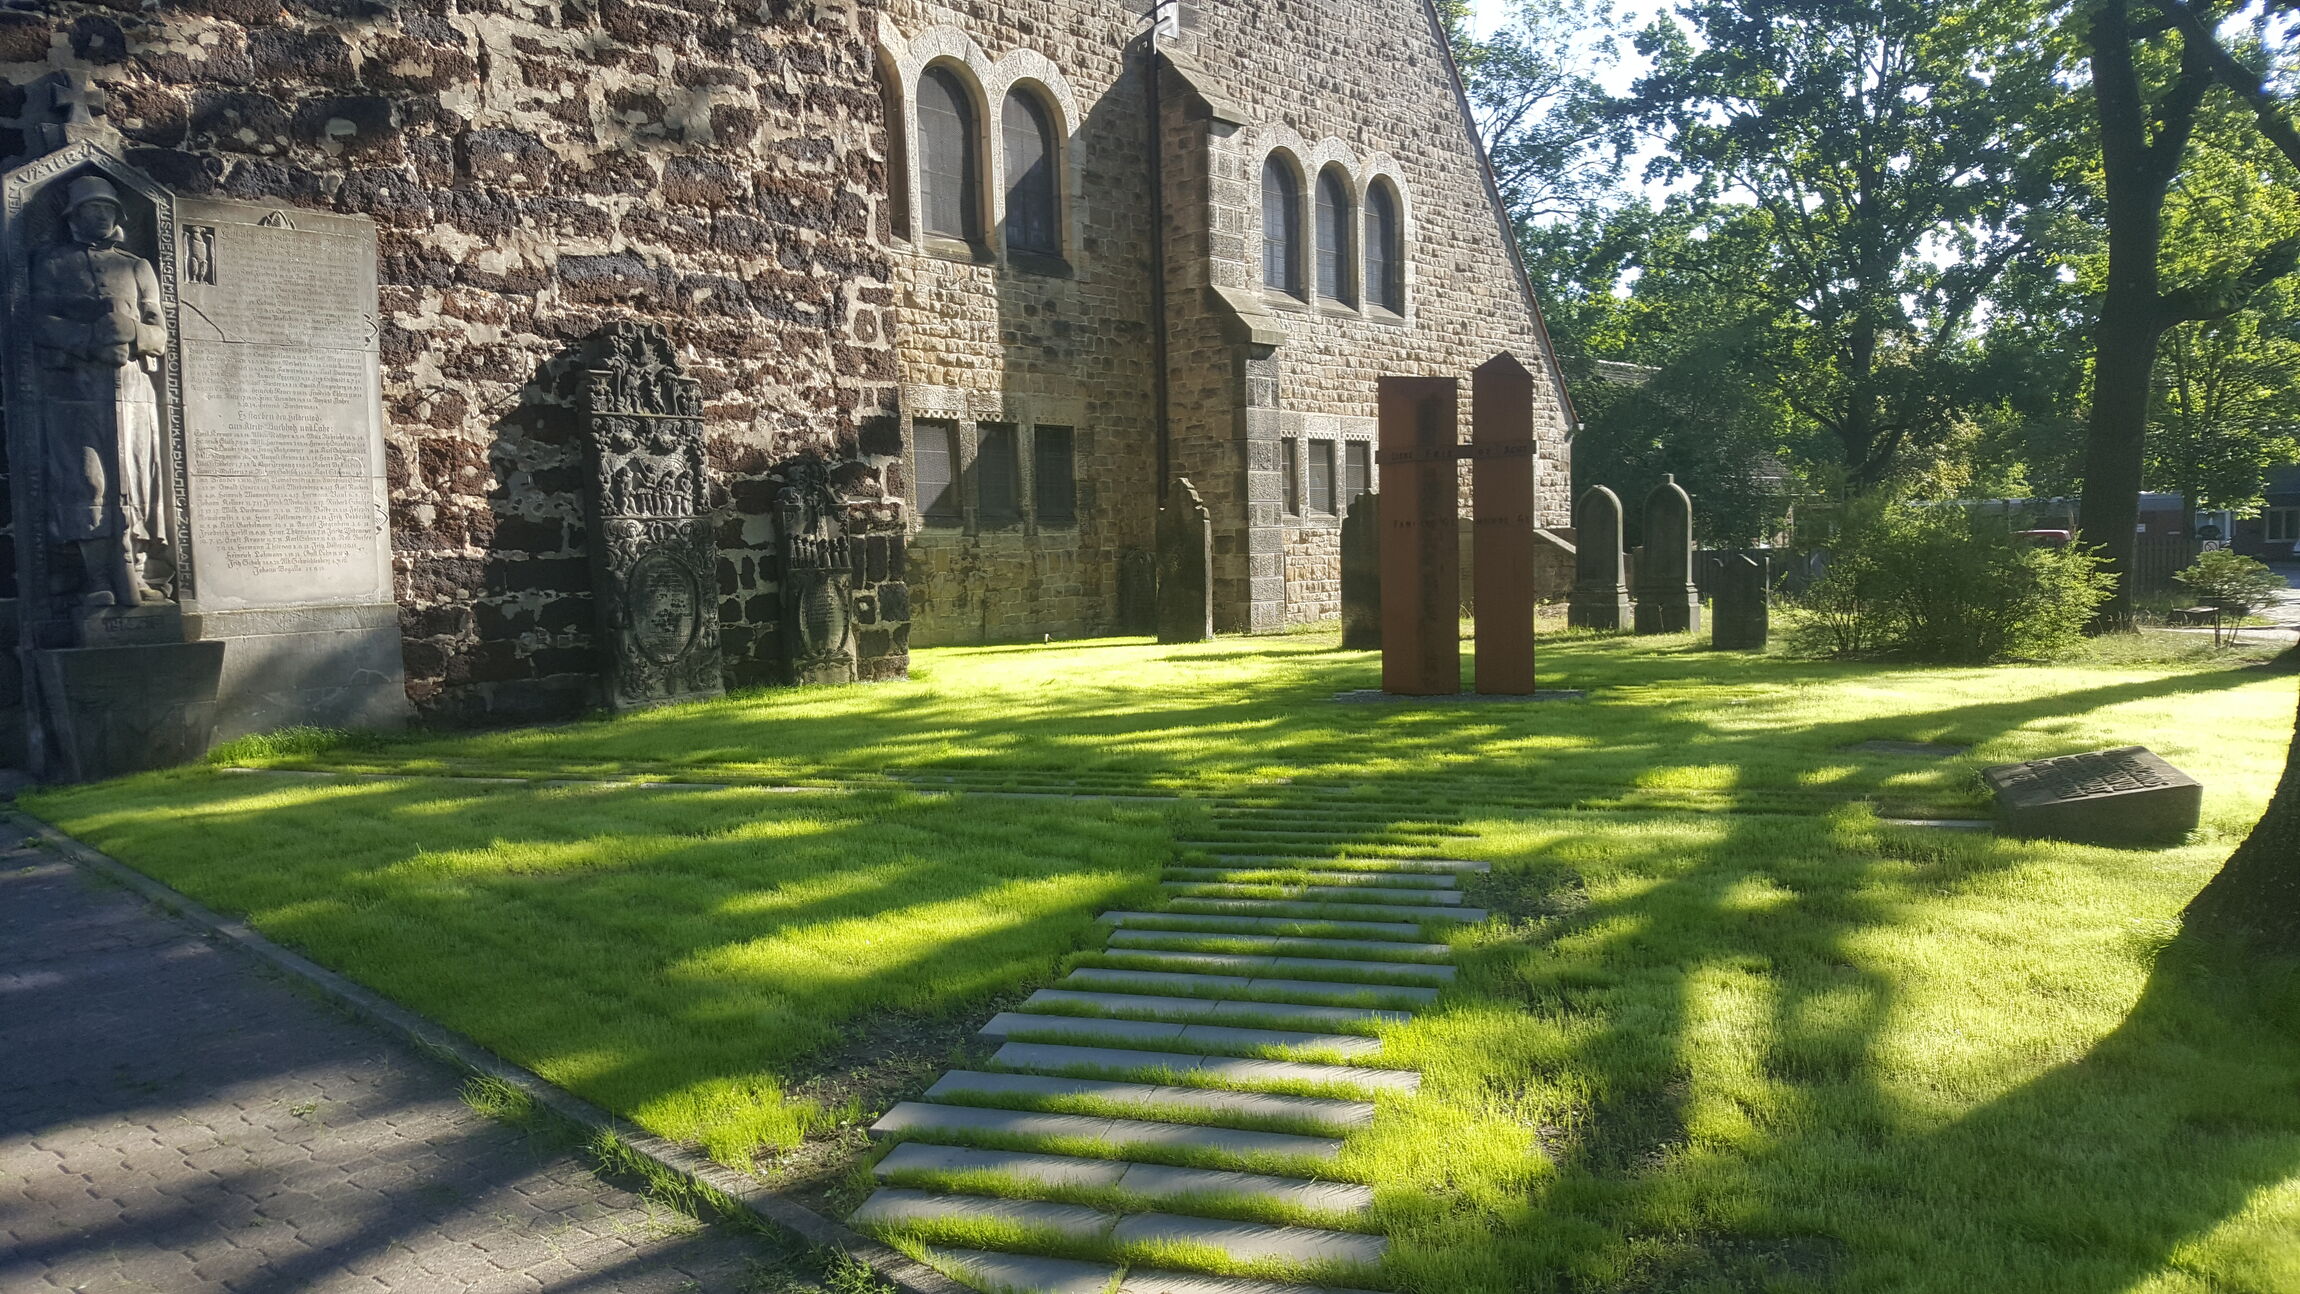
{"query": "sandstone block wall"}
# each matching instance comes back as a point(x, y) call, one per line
point(988, 337)
point(536, 168)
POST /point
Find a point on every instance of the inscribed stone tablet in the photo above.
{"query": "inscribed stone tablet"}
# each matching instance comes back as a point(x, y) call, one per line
point(2125, 796)
point(283, 419)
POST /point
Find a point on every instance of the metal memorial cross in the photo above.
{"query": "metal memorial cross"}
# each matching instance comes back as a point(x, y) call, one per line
point(1420, 541)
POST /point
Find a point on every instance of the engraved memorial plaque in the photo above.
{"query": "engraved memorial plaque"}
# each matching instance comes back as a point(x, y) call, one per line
point(2125, 796)
point(282, 446)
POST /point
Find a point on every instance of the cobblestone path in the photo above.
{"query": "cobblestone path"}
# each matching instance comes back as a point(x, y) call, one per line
point(172, 1119)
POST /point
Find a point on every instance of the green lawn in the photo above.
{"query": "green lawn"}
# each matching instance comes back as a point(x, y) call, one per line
point(1730, 1031)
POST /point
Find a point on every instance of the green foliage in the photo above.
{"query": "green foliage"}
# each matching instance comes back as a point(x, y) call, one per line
point(2231, 581)
point(1941, 585)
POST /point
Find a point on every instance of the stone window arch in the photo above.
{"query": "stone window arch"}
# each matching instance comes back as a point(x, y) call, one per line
point(1384, 248)
point(949, 156)
point(1337, 271)
point(897, 222)
point(1033, 157)
point(1282, 226)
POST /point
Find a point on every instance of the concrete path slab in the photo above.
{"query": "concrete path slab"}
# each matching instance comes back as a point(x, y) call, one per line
point(1139, 1281)
point(1343, 972)
point(1398, 864)
point(173, 1118)
point(1290, 945)
point(1206, 1100)
point(1250, 1241)
point(1154, 1181)
point(1046, 1170)
point(924, 1118)
point(1351, 894)
point(1226, 1039)
point(1216, 923)
point(1287, 875)
point(1031, 1274)
point(1194, 984)
point(1307, 910)
point(1058, 1001)
point(1047, 1056)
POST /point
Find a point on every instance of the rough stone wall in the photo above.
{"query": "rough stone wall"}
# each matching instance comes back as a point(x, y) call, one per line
point(536, 168)
point(989, 337)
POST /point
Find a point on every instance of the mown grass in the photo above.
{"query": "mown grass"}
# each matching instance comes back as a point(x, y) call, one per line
point(1728, 1030)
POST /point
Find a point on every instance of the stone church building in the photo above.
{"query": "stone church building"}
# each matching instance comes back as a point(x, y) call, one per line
point(1003, 268)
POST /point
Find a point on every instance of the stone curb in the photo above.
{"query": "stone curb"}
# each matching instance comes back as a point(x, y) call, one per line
point(766, 1207)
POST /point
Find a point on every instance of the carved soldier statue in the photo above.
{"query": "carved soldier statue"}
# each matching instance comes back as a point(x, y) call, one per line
point(99, 330)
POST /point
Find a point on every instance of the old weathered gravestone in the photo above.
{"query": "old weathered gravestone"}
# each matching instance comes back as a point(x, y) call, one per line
point(1740, 603)
point(1362, 574)
point(1185, 566)
point(1600, 598)
point(653, 560)
point(2125, 796)
point(195, 433)
point(1421, 560)
point(1667, 600)
point(1501, 504)
point(814, 562)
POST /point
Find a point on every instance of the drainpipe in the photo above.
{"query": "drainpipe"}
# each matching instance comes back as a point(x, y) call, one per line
point(1160, 16)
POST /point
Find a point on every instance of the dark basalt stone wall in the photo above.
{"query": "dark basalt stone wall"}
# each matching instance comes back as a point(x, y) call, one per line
point(537, 169)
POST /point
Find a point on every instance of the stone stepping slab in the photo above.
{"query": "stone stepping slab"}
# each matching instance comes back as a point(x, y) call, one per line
point(1151, 1181)
point(1232, 1039)
point(923, 1117)
point(1292, 948)
point(894, 1206)
point(1280, 908)
point(1335, 860)
point(1030, 1274)
point(1202, 985)
point(1217, 923)
point(1230, 1069)
point(1293, 876)
point(1197, 1100)
point(1331, 893)
point(1249, 963)
point(1060, 1001)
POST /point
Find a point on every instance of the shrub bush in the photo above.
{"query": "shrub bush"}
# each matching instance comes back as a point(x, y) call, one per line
point(1941, 585)
point(2229, 581)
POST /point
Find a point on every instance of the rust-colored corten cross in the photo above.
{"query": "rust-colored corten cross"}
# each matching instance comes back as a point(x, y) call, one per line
point(1420, 507)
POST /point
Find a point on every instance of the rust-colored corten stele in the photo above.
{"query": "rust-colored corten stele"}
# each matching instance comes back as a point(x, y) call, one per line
point(1420, 506)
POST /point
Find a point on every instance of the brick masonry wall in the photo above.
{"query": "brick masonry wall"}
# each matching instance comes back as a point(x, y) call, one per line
point(535, 169)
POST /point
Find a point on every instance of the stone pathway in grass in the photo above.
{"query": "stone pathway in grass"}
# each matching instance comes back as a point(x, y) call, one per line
point(1167, 1119)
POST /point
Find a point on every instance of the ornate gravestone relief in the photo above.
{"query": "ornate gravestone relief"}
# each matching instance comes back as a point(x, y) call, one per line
point(2125, 796)
point(653, 560)
point(1600, 589)
point(1362, 574)
point(1667, 601)
point(816, 561)
point(1740, 604)
point(1185, 566)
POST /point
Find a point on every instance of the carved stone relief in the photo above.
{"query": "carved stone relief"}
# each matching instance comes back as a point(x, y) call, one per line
point(653, 559)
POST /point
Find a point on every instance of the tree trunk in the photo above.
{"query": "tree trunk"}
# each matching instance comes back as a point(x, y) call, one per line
point(2257, 895)
point(2125, 347)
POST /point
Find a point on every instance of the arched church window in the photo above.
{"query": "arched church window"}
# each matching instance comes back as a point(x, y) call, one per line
point(1032, 195)
point(1335, 281)
point(1384, 249)
point(950, 188)
point(1281, 227)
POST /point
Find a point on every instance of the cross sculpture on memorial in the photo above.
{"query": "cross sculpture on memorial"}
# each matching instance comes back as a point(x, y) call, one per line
point(1420, 511)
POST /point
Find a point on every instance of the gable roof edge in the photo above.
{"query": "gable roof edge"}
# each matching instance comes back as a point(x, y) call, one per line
point(1501, 214)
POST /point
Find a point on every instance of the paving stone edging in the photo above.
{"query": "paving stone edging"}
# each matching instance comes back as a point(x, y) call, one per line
point(766, 1207)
